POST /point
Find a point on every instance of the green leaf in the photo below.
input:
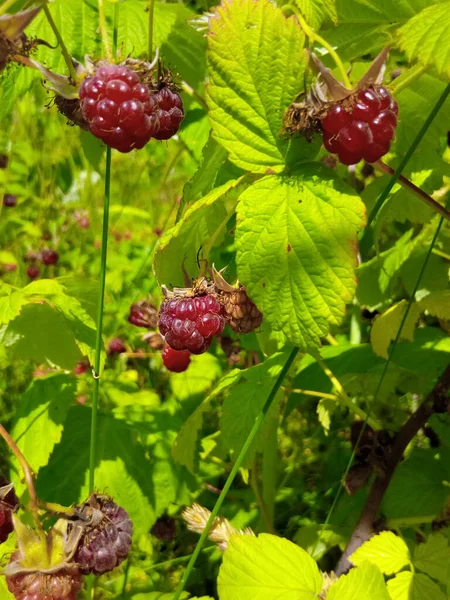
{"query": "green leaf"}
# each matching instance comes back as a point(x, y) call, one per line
point(386, 550)
point(299, 273)
point(255, 64)
point(385, 327)
point(410, 586)
point(268, 568)
point(198, 379)
point(317, 539)
point(318, 12)
point(419, 485)
point(425, 38)
point(41, 415)
point(433, 557)
point(365, 583)
point(199, 223)
point(244, 403)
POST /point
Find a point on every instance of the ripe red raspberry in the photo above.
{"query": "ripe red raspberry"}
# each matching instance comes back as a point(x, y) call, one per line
point(49, 257)
point(33, 271)
point(118, 108)
point(116, 346)
point(143, 314)
point(363, 129)
point(169, 113)
point(9, 200)
point(106, 540)
point(61, 585)
point(176, 361)
point(8, 503)
point(81, 367)
point(191, 323)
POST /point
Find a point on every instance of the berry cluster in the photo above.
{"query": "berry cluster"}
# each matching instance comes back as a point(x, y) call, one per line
point(191, 323)
point(362, 128)
point(106, 540)
point(124, 112)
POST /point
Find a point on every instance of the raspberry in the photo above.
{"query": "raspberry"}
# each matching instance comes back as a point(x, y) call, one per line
point(164, 529)
point(8, 502)
point(106, 540)
point(116, 346)
point(191, 323)
point(9, 200)
point(143, 314)
point(49, 257)
point(169, 113)
point(4, 160)
point(363, 128)
point(118, 108)
point(81, 367)
point(61, 585)
point(33, 271)
point(241, 313)
point(176, 361)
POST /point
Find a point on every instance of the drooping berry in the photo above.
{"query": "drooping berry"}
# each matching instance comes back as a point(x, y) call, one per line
point(176, 361)
point(36, 585)
point(8, 503)
point(190, 323)
point(169, 113)
point(118, 108)
point(361, 127)
point(9, 200)
point(49, 257)
point(143, 314)
point(33, 271)
point(106, 539)
point(116, 346)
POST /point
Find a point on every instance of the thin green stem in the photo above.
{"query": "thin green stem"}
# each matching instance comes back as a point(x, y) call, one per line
point(441, 254)
point(237, 465)
point(151, 15)
point(314, 394)
point(6, 6)
point(403, 163)
point(407, 78)
point(315, 37)
point(104, 31)
point(62, 45)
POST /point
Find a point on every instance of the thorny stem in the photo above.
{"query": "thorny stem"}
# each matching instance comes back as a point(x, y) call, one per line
point(6, 6)
point(104, 31)
point(434, 402)
point(62, 45)
point(28, 474)
point(151, 16)
point(237, 465)
point(343, 398)
point(416, 190)
point(315, 37)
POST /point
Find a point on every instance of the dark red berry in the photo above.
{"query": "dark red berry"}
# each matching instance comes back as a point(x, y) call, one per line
point(116, 346)
point(191, 323)
point(8, 503)
point(169, 113)
point(164, 529)
point(176, 361)
point(81, 367)
point(363, 128)
point(118, 108)
point(35, 585)
point(49, 257)
point(33, 271)
point(106, 539)
point(4, 161)
point(143, 314)
point(9, 200)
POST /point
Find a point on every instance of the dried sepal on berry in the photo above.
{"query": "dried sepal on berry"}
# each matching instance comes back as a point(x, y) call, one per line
point(240, 312)
point(14, 44)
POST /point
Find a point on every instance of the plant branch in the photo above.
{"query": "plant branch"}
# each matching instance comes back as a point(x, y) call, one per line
point(28, 474)
point(237, 465)
point(437, 401)
point(104, 31)
point(315, 37)
point(416, 190)
point(62, 45)
point(151, 16)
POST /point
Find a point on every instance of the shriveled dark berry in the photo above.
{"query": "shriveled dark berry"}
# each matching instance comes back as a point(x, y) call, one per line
point(143, 314)
point(8, 503)
point(176, 361)
point(169, 113)
point(49, 257)
point(240, 312)
point(9, 200)
point(118, 108)
point(363, 129)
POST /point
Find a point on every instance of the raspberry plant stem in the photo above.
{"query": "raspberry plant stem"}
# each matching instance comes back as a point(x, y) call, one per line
point(28, 474)
point(151, 14)
point(315, 37)
point(237, 465)
point(416, 190)
point(64, 51)
point(104, 31)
